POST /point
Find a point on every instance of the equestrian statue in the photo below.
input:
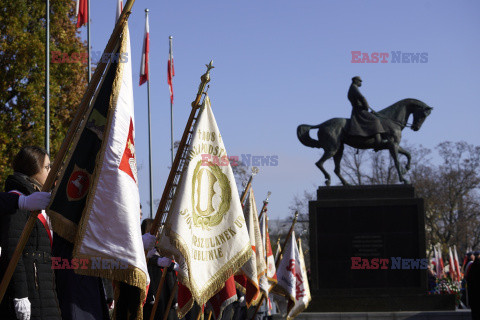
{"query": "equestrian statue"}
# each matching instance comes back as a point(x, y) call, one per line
point(365, 130)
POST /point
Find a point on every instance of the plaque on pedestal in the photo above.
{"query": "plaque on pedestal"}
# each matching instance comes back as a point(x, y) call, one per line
point(367, 250)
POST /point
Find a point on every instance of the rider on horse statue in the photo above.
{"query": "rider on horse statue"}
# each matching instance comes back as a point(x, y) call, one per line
point(362, 122)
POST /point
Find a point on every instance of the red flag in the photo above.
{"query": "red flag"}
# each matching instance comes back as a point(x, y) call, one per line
point(82, 12)
point(170, 71)
point(144, 77)
point(184, 300)
point(223, 298)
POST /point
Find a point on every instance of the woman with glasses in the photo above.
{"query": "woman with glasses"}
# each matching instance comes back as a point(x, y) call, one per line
point(31, 292)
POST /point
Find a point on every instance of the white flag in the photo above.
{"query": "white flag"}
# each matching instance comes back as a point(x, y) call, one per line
point(109, 231)
point(286, 272)
point(255, 269)
point(302, 295)
point(205, 229)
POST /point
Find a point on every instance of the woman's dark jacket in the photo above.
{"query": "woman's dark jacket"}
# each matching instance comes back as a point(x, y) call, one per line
point(33, 276)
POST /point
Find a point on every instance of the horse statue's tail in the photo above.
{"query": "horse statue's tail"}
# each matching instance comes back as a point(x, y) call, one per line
point(304, 136)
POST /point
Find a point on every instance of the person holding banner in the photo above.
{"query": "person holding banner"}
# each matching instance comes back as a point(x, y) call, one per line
point(31, 292)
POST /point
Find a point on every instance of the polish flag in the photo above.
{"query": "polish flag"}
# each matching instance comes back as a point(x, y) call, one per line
point(170, 71)
point(81, 11)
point(144, 77)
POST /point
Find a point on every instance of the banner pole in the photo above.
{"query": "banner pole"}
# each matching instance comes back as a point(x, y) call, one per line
point(205, 78)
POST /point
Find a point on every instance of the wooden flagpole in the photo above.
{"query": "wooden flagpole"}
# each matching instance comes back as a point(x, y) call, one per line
point(286, 239)
point(81, 112)
point(169, 304)
point(157, 295)
point(249, 184)
point(264, 208)
point(205, 78)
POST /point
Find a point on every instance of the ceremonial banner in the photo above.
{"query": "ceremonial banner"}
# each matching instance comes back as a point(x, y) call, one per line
point(205, 230)
point(98, 188)
point(302, 296)
point(76, 177)
point(252, 275)
point(286, 285)
point(271, 270)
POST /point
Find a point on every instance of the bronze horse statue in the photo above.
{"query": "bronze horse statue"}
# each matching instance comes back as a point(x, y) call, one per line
point(332, 135)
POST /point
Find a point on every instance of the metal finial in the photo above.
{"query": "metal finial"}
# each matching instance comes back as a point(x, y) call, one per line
point(170, 37)
point(210, 66)
point(254, 170)
point(146, 10)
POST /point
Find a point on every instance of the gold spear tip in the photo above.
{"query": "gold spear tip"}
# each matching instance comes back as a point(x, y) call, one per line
point(210, 65)
point(254, 170)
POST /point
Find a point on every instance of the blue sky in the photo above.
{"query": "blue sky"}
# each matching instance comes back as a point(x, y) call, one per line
point(281, 63)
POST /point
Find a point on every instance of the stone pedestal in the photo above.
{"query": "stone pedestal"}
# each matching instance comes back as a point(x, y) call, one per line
point(367, 251)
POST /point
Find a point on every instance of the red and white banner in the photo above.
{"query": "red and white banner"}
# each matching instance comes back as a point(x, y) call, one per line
point(223, 298)
point(81, 12)
point(144, 66)
point(270, 260)
point(457, 263)
point(109, 233)
point(170, 70)
point(252, 277)
point(286, 272)
point(302, 295)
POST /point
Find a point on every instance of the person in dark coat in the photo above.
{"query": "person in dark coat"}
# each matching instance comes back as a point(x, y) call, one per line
point(31, 292)
point(362, 122)
point(473, 288)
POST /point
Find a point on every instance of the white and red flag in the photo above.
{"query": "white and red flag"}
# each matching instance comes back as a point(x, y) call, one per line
point(205, 229)
point(144, 66)
point(81, 12)
point(109, 233)
point(119, 9)
point(457, 263)
point(302, 295)
point(170, 70)
point(451, 268)
point(270, 259)
point(223, 298)
point(252, 276)
point(286, 271)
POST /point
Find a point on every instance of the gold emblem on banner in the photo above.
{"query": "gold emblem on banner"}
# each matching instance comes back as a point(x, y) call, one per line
point(211, 195)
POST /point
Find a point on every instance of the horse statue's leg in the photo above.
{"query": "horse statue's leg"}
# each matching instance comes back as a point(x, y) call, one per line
point(326, 155)
point(406, 154)
point(394, 149)
point(337, 158)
